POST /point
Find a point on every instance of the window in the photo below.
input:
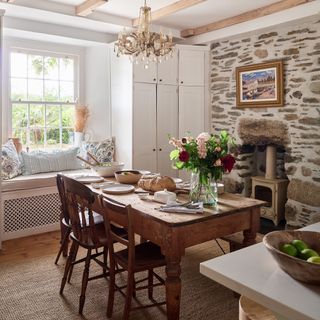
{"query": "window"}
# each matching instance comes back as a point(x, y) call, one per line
point(43, 95)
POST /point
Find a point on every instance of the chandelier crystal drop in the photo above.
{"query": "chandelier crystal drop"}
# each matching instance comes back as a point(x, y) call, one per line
point(142, 44)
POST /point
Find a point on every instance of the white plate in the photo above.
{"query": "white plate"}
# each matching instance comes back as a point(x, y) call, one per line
point(144, 171)
point(89, 179)
point(177, 180)
point(118, 188)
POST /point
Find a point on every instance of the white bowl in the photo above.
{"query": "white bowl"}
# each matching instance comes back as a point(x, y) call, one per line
point(108, 169)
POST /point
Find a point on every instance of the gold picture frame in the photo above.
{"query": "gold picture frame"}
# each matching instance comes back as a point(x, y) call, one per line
point(260, 85)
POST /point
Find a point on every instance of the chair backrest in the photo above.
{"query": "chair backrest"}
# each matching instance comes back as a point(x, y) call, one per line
point(60, 186)
point(79, 200)
point(116, 213)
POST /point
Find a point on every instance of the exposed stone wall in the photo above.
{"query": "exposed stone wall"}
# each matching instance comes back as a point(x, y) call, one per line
point(299, 48)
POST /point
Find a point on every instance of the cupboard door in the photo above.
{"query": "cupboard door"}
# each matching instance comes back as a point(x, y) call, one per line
point(168, 70)
point(191, 68)
point(144, 128)
point(191, 111)
point(145, 73)
point(167, 124)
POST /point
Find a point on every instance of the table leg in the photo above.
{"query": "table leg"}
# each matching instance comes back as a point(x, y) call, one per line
point(249, 235)
point(173, 287)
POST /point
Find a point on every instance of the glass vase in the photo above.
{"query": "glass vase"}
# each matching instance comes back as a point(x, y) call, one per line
point(203, 189)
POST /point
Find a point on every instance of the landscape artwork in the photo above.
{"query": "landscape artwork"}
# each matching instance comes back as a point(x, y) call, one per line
point(260, 85)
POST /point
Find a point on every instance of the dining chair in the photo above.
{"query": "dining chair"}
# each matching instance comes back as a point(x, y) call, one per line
point(84, 233)
point(65, 226)
point(135, 258)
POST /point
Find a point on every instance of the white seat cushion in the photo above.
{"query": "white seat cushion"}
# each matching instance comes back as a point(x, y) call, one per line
point(40, 180)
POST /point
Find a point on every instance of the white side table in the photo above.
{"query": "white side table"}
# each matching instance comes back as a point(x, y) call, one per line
point(253, 273)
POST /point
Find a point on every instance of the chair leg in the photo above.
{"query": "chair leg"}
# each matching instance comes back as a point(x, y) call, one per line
point(105, 260)
point(63, 245)
point(112, 276)
point(67, 266)
point(130, 288)
point(85, 277)
point(73, 259)
point(150, 284)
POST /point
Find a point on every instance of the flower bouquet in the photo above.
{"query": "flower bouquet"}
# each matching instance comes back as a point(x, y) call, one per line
point(208, 157)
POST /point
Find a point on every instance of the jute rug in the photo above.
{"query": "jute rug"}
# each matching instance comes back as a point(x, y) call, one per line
point(30, 291)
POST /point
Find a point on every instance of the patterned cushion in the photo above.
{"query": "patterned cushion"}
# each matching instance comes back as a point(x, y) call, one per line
point(57, 160)
point(10, 163)
point(102, 150)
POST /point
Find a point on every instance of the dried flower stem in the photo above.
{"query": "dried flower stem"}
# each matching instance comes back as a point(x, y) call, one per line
point(81, 117)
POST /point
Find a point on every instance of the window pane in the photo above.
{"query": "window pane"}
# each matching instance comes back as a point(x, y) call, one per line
point(51, 68)
point(53, 137)
point(67, 115)
point(18, 89)
point(36, 116)
point(35, 66)
point(51, 90)
point(20, 133)
point(37, 137)
point(66, 69)
point(35, 90)
point(19, 115)
point(66, 91)
point(67, 136)
point(18, 65)
point(52, 116)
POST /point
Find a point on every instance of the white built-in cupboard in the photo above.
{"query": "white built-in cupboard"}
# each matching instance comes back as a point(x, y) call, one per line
point(148, 105)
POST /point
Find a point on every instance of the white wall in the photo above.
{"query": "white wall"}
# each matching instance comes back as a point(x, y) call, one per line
point(97, 92)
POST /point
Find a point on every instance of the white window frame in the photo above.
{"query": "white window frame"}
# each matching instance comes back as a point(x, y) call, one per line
point(46, 48)
point(43, 102)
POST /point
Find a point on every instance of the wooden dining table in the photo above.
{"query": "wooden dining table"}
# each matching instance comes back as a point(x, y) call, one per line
point(174, 232)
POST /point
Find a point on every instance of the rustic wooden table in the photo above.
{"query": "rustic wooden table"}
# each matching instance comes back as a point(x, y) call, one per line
point(174, 232)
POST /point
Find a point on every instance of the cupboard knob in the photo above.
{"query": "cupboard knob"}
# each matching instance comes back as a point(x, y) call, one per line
point(181, 81)
point(160, 149)
point(154, 79)
point(153, 149)
point(160, 80)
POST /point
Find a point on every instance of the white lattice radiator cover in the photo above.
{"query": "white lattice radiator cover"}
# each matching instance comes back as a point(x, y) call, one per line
point(30, 215)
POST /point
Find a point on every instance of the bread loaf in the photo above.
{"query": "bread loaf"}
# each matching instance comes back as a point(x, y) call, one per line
point(157, 184)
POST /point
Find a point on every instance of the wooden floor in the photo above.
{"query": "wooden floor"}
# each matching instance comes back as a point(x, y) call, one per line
point(35, 246)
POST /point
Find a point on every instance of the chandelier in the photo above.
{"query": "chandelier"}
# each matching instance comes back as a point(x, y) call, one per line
point(142, 44)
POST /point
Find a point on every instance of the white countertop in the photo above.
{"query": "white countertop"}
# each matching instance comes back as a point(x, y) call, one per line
point(254, 273)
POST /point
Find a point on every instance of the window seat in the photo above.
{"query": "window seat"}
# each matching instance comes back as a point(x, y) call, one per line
point(31, 204)
point(39, 180)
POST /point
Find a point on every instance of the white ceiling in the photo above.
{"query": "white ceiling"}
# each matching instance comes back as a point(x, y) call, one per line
point(197, 15)
point(108, 19)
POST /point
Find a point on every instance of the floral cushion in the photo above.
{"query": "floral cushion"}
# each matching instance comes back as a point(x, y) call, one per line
point(102, 150)
point(10, 162)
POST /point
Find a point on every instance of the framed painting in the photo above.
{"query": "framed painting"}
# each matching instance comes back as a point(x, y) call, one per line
point(260, 85)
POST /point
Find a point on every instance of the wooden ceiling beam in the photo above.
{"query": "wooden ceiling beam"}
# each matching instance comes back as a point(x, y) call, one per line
point(247, 16)
point(88, 6)
point(170, 9)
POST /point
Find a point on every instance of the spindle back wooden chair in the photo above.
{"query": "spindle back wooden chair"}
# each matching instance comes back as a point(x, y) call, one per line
point(134, 258)
point(85, 233)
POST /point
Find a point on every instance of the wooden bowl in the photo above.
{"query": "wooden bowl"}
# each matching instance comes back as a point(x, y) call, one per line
point(297, 268)
point(128, 176)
